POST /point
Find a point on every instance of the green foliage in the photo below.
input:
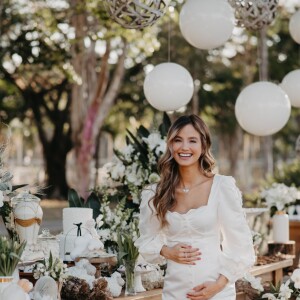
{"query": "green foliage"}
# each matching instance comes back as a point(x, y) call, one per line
point(10, 254)
point(51, 266)
point(127, 250)
point(92, 201)
point(289, 174)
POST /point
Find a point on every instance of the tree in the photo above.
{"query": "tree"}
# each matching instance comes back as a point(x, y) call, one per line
point(32, 65)
point(100, 80)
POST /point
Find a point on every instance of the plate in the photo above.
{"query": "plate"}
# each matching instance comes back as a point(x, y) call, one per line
point(46, 237)
point(255, 211)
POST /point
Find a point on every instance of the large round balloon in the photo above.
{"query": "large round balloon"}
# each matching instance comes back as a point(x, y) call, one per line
point(291, 85)
point(168, 86)
point(294, 27)
point(262, 108)
point(206, 24)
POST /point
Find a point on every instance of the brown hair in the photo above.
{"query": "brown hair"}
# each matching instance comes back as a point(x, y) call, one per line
point(164, 197)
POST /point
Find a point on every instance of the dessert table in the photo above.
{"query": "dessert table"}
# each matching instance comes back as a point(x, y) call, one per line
point(272, 272)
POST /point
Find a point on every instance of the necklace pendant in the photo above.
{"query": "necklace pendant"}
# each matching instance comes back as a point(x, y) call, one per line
point(186, 190)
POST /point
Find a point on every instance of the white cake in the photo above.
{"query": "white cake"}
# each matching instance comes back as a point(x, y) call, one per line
point(75, 215)
point(72, 216)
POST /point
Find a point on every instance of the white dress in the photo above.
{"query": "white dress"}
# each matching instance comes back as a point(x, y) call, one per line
point(202, 228)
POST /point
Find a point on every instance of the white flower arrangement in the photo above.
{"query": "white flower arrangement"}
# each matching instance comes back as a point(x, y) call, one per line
point(279, 196)
point(7, 191)
point(110, 221)
point(288, 289)
point(135, 166)
point(53, 267)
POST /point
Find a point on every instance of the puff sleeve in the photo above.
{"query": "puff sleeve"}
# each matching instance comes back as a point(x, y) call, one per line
point(151, 238)
point(237, 246)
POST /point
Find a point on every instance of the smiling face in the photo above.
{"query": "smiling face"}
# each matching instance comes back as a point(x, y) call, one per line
point(186, 146)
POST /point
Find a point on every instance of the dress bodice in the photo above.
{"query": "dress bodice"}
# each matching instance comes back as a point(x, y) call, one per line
point(219, 229)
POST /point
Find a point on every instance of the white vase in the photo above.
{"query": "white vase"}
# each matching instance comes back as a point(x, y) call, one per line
point(28, 216)
point(281, 232)
point(5, 281)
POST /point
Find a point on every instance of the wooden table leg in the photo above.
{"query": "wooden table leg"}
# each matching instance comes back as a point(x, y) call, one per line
point(278, 274)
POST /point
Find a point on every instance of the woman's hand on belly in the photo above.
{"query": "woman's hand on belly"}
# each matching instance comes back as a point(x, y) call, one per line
point(207, 289)
point(181, 253)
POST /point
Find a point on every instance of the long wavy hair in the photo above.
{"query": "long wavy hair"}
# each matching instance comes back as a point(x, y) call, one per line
point(164, 198)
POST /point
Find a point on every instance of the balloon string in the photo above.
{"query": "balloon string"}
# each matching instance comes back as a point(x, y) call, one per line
point(262, 54)
point(169, 35)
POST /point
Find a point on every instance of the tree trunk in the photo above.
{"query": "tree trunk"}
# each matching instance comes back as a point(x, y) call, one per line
point(97, 111)
point(92, 95)
point(55, 146)
point(55, 162)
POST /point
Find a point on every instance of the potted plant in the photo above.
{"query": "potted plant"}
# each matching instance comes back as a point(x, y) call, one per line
point(10, 254)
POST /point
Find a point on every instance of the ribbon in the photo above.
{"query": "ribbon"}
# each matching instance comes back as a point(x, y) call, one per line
point(29, 222)
point(78, 228)
point(6, 279)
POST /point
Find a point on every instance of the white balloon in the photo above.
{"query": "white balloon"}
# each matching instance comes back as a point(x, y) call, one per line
point(294, 27)
point(262, 108)
point(168, 86)
point(13, 292)
point(291, 85)
point(206, 24)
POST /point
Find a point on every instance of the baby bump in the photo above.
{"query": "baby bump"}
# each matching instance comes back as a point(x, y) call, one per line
point(205, 269)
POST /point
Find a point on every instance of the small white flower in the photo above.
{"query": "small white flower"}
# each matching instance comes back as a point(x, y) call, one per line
point(296, 278)
point(99, 221)
point(153, 140)
point(117, 172)
point(161, 148)
point(269, 296)
point(127, 152)
point(254, 282)
point(285, 292)
point(153, 178)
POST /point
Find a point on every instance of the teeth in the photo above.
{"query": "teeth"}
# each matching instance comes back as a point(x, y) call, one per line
point(185, 154)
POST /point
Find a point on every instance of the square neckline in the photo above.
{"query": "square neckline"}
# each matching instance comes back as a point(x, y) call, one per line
point(201, 206)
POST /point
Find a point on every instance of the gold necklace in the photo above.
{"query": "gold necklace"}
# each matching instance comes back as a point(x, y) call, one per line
point(186, 190)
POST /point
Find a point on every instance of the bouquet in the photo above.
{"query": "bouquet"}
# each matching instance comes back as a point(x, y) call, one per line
point(10, 254)
point(279, 196)
point(53, 267)
point(129, 253)
point(135, 166)
point(126, 238)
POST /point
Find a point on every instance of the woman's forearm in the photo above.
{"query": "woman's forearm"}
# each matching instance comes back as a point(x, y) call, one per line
point(222, 281)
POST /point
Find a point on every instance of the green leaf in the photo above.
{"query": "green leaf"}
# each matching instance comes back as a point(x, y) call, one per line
point(50, 259)
point(164, 127)
point(121, 255)
point(143, 131)
point(93, 202)
point(12, 254)
point(74, 199)
point(140, 147)
point(18, 186)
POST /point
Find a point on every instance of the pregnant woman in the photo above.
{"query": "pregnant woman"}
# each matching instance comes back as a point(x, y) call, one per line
point(194, 219)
